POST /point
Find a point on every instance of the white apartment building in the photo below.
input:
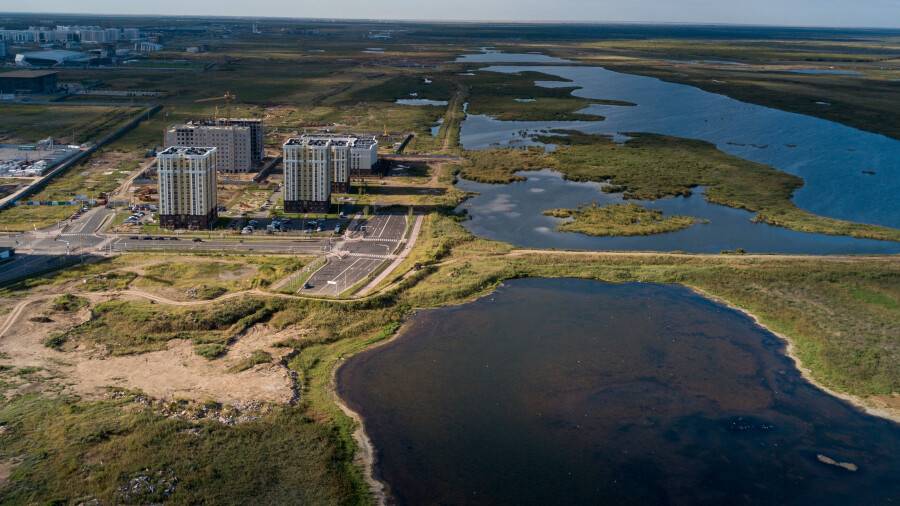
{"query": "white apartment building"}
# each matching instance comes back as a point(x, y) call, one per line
point(187, 187)
point(234, 143)
point(351, 155)
point(307, 175)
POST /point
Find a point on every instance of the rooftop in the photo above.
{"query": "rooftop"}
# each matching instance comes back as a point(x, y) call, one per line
point(186, 151)
point(28, 74)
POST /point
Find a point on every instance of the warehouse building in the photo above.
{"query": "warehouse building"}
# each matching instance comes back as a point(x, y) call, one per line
point(307, 175)
point(28, 81)
point(187, 187)
point(233, 143)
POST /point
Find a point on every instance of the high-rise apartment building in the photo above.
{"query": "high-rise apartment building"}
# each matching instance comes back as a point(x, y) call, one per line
point(187, 187)
point(351, 155)
point(234, 143)
point(257, 135)
point(307, 175)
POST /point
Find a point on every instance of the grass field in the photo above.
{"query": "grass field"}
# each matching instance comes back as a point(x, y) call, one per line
point(65, 123)
point(618, 220)
point(841, 314)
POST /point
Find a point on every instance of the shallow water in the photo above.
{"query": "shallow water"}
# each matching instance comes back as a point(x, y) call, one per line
point(579, 392)
point(500, 57)
point(513, 213)
point(826, 72)
point(421, 101)
point(836, 162)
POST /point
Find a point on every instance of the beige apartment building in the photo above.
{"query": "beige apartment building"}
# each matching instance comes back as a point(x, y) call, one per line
point(233, 143)
point(307, 175)
point(257, 135)
point(187, 187)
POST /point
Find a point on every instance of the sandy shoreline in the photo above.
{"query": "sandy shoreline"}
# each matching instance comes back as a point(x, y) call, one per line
point(365, 454)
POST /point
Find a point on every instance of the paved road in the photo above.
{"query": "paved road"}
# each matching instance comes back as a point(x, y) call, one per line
point(365, 250)
point(350, 260)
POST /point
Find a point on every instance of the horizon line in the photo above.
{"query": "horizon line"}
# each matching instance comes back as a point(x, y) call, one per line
point(459, 21)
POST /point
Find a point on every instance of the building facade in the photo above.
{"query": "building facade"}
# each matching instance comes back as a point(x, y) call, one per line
point(187, 187)
point(257, 135)
point(28, 81)
point(351, 156)
point(307, 175)
point(234, 143)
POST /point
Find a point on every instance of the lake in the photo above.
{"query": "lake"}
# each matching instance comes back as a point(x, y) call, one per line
point(849, 174)
point(562, 391)
point(513, 213)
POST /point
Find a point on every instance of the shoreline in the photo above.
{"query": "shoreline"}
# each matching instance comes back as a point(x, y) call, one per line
point(805, 372)
point(365, 455)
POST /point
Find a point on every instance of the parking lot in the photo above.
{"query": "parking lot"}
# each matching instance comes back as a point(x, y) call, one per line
point(367, 246)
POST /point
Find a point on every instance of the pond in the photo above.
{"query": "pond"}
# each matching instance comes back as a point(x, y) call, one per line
point(513, 213)
point(562, 391)
point(849, 174)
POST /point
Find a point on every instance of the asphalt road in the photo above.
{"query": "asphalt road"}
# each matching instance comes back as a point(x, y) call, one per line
point(365, 249)
point(350, 260)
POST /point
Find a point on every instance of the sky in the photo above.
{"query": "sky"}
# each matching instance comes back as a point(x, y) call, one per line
point(837, 13)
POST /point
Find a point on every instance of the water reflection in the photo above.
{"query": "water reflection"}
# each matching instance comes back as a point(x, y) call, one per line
point(578, 392)
point(514, 213)
point(849, 174)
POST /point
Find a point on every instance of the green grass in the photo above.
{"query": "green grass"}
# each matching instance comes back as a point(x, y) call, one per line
point(653, 166)
point(618, 220)
point(494, 94)
point(127, 327)
point(28, 218)
point(68, 303)
point(256, 358)
point(211, 351)
point(78, 451)
point(208, 278)
point(66, 123)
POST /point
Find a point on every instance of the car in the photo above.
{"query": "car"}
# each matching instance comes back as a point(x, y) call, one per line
point(307, 285)
point(318, 229)
point(174, 239)
point(196, 239)
point(146, 238)
point(134, 238)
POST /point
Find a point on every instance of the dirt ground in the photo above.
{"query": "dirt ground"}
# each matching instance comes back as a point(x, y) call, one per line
point(172, 374)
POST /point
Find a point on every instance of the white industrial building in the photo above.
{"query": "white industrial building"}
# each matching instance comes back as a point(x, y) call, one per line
point(187, 187)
